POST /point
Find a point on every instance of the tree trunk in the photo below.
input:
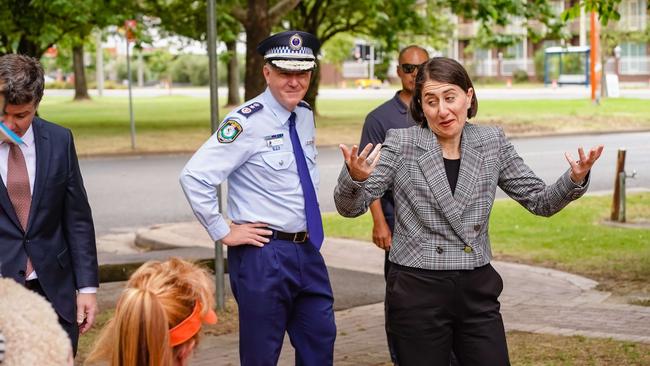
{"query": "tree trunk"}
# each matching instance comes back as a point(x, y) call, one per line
point(257, 29)
point(254, 80)
point(29, 48)
point(233, 74)
point(312, 92)
point(80, 87)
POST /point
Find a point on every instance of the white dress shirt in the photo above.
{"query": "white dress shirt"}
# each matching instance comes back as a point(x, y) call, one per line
point(29, 152)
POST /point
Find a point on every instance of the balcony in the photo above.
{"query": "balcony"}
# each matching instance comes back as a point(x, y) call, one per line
point(636, 22)
point(509, 66)
point(628, 65)
point(492, 67)
point(467, 30)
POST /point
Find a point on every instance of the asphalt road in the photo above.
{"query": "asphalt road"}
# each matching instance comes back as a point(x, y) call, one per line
point(565, 92)
point(131, 192)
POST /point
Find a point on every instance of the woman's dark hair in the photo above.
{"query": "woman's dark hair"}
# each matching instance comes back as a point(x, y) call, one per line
point(444, 70)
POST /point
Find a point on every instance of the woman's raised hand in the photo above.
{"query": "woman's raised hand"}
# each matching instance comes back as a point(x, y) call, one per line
point(580, 167)
point(361, 165)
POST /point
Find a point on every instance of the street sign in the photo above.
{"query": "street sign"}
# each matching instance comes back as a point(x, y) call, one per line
point(129, 26)
point(612, 87)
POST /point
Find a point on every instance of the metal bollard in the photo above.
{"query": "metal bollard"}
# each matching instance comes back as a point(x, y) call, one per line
point(622, 176)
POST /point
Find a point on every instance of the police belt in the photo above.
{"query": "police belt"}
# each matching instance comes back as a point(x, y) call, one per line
point(299, 237)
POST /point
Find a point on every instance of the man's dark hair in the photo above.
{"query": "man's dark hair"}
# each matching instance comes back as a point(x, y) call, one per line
point(443, 70)
point(23, 79)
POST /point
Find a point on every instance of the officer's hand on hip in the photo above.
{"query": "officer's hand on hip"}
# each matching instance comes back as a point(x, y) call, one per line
point(361, 166)
point(252, 234)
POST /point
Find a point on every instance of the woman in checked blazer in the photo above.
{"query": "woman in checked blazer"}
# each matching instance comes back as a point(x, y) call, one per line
point(442, 291)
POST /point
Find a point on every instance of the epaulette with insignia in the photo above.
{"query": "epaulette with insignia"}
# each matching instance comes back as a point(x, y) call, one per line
point(250, 109)
point(302, 103)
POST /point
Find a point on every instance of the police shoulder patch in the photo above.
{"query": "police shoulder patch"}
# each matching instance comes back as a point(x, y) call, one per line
point(304, 104)
point(229, 131)
point(250, 109)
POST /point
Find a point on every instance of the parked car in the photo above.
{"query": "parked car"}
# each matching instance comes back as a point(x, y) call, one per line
point(368, 83)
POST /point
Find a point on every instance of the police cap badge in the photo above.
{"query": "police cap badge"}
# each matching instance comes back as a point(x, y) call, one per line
point(291, 50)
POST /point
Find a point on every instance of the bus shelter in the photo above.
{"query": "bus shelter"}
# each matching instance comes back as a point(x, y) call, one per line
point(572, 65)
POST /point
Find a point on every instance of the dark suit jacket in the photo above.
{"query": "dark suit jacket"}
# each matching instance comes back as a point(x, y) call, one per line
point(438, 230)
point(60, 237)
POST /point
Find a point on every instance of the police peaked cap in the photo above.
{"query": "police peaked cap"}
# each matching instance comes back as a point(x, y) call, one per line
point(290, 50)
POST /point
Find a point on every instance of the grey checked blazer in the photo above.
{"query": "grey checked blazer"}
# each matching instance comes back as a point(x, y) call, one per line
point(432, 226)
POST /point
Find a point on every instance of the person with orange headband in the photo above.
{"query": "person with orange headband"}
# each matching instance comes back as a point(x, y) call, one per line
point(158, 317)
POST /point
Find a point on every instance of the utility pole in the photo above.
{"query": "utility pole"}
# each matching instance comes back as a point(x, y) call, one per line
point(214, 120)
point(594, 58)
point(130, 36)
point(99, 76)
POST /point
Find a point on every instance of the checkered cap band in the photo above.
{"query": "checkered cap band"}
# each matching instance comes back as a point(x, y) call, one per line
point(286, 52)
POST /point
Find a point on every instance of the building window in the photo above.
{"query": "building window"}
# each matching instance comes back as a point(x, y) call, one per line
point(634, 59)
point(557, 7)
point(515, 51)
point(629, 49)
point(633, 14)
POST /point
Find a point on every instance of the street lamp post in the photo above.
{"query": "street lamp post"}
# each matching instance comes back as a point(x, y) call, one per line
point(214, 120)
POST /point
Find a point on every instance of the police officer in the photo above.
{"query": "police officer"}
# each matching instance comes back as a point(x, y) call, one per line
point(265, 148)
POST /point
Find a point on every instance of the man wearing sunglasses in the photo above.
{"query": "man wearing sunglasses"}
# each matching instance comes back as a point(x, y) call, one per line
point(391, 114)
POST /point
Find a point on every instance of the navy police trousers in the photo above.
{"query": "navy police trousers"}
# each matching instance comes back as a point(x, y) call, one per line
point(283, 286)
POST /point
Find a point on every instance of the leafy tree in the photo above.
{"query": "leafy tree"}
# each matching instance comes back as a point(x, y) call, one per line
point(609, 37)
point(423, 22)
point(337, 49)
point(606, 9)
point(382, 19)
point(188, 18)
point(32, 26)
point(258, 18)
point(159, 62)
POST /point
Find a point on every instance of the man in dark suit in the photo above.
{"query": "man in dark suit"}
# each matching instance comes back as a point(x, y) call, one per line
point(47, 238)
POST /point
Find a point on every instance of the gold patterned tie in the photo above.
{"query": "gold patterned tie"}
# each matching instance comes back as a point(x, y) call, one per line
point(18, 189)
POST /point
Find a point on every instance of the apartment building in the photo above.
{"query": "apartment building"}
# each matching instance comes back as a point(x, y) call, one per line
point(629, 59)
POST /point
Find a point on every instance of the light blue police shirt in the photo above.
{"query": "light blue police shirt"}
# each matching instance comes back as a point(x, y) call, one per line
point(263, 182)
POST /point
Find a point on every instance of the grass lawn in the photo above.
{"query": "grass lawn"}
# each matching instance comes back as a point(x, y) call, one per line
point(178, 123)
point(574, 240)
point(541, 349)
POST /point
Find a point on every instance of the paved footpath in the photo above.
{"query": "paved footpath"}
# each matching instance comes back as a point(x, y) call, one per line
point(534, 299)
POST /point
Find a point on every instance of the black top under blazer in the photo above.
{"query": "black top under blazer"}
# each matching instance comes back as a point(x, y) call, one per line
point(432, 226)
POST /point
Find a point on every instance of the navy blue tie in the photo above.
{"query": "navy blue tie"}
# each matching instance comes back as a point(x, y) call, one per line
point(312, 211)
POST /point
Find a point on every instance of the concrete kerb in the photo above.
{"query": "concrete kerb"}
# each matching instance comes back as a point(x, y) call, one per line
point(534, 299)
point(175, 235)
point(582, 283)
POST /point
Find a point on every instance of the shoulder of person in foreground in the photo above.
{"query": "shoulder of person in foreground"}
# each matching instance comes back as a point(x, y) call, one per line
point(31, 328)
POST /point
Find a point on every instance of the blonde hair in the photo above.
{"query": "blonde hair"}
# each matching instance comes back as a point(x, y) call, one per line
point(157, 297)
